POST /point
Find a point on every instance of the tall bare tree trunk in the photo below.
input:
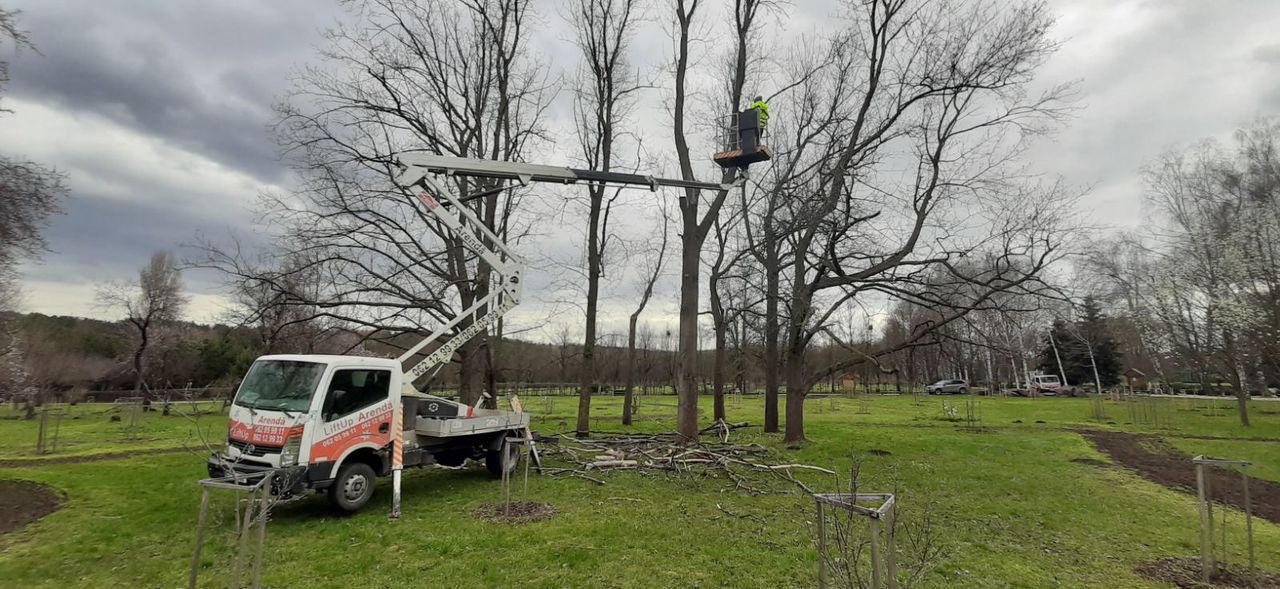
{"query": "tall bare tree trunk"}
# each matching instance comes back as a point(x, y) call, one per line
point(797, 377)
point(771, 332)
point(628, 400)
point(717, 372)
point(630, 377)
point(797, 388)
point(1062, 373)
point(593, 298)
point(138, 355)
point(687, 357)
point(1241, 376)
point(695, 227)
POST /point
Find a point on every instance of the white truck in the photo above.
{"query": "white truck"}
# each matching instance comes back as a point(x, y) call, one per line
point(1045, 384)
point(328, 421)
point(335, 423)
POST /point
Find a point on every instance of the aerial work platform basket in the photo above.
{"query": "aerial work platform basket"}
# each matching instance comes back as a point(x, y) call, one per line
point(741, 143)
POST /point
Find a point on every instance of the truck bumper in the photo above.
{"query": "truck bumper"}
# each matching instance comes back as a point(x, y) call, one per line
point(315, 476)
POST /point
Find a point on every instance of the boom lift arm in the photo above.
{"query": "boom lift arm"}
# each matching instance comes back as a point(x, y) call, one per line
point(416, 171)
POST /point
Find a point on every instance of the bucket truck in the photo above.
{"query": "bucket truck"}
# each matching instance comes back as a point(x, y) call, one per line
point(333, 424)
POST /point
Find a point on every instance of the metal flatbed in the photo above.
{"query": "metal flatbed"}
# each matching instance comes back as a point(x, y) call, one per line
point(466, 426)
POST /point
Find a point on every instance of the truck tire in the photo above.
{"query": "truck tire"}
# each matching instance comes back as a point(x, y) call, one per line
point(493, 460)
point(353, 487)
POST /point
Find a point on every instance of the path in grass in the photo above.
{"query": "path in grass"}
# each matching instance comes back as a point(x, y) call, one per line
point(1161, 463)
point(19, 463)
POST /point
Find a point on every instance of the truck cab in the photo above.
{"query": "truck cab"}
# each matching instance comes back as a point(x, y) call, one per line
point(326, 423)
point(1046, 384)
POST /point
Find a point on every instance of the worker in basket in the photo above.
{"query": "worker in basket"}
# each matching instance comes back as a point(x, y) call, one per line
point(762, 108)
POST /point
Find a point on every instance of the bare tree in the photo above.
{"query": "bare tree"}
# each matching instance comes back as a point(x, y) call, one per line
point(1205, 282)
point(603, 97)
point(653, 261)
point(451, 78)
point(1122, 269)
point(155, 300)
point(939, 90)
point(279, 323)
point(696, 224)
point(724, 263)
point(31, 193)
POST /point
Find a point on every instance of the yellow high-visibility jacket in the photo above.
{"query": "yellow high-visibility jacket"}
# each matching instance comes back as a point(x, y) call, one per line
point(763, 108)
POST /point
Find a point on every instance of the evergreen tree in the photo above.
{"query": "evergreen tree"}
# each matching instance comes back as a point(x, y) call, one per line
point(1095, 332)
point(1076, 340)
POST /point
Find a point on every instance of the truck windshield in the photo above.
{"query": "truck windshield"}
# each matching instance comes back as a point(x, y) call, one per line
point(281, 385)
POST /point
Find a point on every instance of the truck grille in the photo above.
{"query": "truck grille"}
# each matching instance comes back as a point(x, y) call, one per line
point(253, 449)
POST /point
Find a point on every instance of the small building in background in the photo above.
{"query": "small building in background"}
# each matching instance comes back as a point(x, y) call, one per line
point(1135, 379)
point(848, 382)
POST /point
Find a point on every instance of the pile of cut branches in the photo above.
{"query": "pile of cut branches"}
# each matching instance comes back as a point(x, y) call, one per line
point(748, 467)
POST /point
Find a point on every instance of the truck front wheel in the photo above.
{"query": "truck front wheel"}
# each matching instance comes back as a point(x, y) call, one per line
point(353, 487)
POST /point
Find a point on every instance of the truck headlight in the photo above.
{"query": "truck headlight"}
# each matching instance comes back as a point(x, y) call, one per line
point(289, 453)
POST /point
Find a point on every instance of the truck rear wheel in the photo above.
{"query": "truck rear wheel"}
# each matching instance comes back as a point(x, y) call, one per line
point(353, 487)
point(493, 459)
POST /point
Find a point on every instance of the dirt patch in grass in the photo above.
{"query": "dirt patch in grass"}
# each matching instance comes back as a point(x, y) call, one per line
point(520, 512)
point(19, 463)
point(1185, 573)
point(1161, 463)
point(22, 502)
point(1091, 462)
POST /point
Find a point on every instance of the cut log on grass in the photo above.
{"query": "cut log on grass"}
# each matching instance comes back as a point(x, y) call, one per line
point(612, 464)
point(723, 428)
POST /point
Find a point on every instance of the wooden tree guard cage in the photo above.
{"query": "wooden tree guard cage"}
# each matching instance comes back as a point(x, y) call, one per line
point(255, 489)
point(526, 451)
point(884, 568)
point(1208, 563)
point(45, 441)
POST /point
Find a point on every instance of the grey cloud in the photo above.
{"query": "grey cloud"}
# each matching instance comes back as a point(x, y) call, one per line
point(100, 239)
point(1152, 84)
point(203, 75)
point(1268, 53)
point(200, 75)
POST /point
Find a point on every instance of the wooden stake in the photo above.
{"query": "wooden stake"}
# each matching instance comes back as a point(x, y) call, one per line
point(263, 505)
point(891, 559)
point(1248, 524)
point(237, 569)
point(822, 547)
point(875, 553)
point(200, 521)
point(1206, 525)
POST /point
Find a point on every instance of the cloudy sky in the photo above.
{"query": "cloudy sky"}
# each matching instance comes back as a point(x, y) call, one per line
point(158, 112)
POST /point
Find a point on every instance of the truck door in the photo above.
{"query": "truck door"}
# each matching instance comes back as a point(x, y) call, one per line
point(356, 413)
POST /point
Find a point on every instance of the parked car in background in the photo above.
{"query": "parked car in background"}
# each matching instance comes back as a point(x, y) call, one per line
point(953, 386)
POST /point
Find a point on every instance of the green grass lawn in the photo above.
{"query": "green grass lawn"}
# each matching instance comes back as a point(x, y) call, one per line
point(1011, 506)
point(86, 429)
